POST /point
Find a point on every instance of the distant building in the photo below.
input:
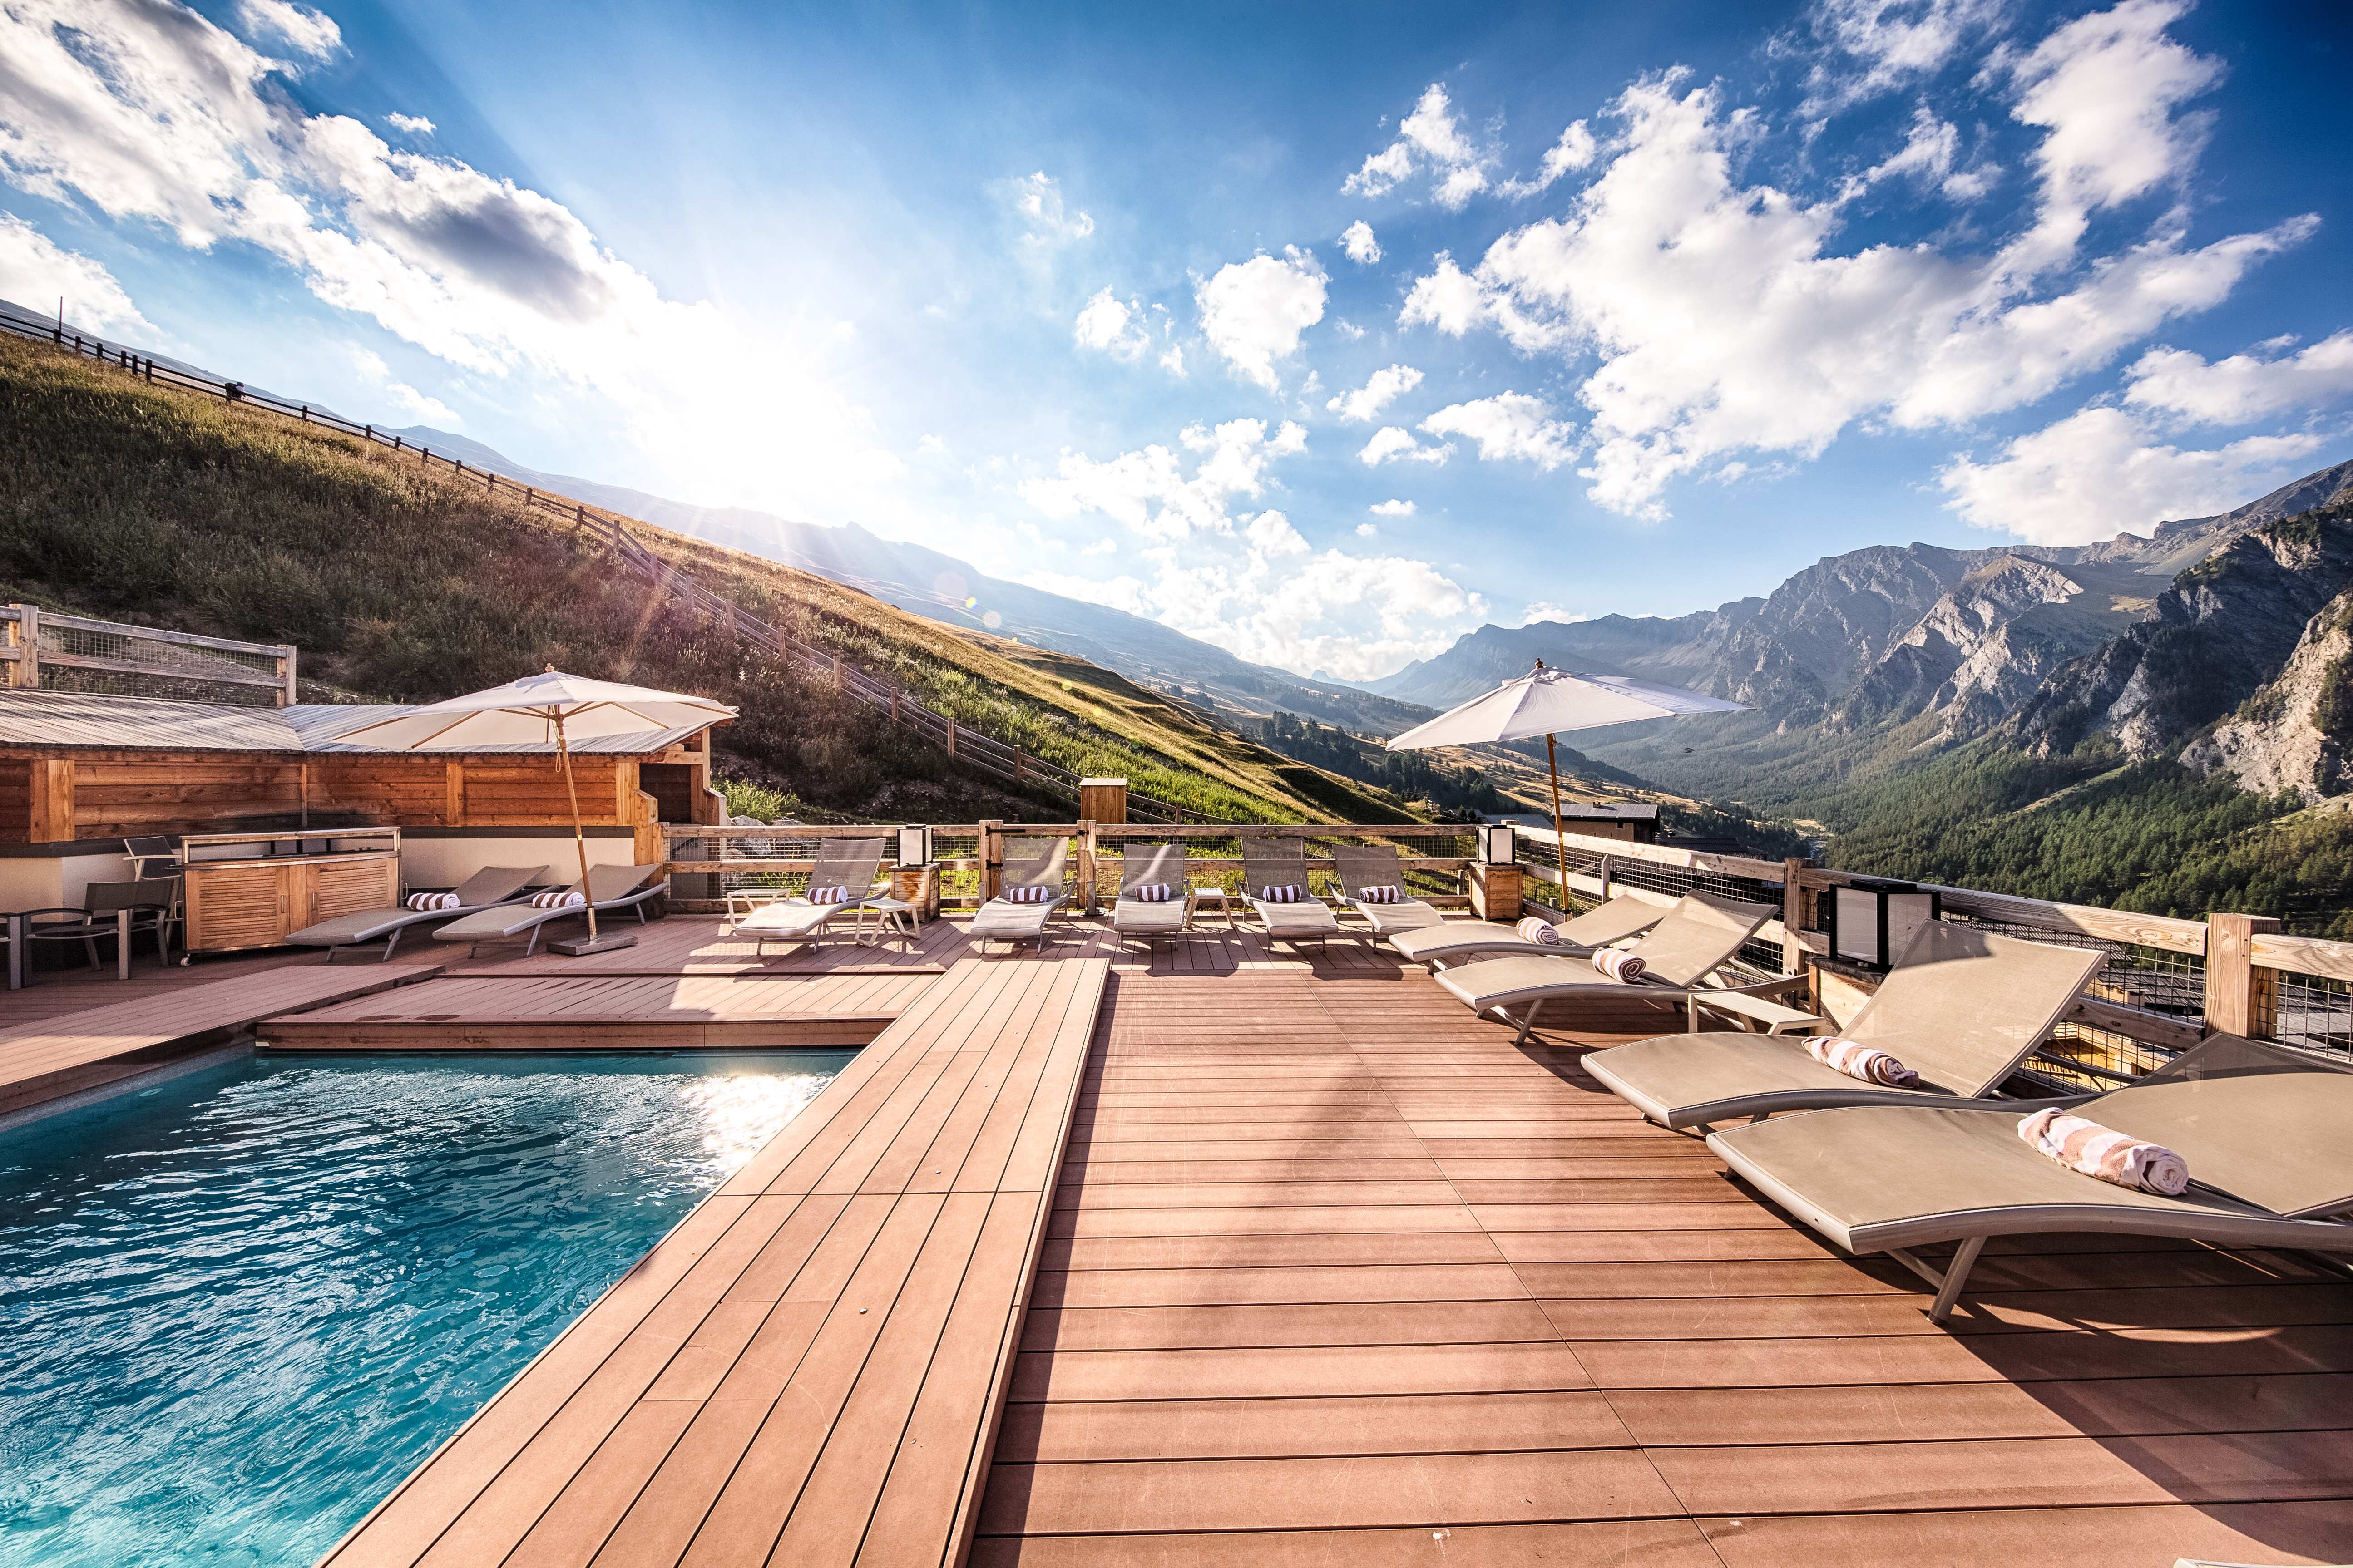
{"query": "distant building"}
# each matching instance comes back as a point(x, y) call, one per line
point(1635, 824)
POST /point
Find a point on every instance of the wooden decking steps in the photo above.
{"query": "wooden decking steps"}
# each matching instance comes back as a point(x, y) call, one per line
point(540, 1013)
point(71, 1052)
point(809, 1369)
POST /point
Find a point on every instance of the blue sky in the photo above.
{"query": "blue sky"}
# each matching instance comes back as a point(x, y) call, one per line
point(1324, 334)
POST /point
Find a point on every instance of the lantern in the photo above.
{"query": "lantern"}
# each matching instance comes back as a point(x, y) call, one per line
point(1872, 920)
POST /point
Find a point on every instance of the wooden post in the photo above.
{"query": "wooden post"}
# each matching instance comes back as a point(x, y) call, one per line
point(950, 724)
point(894, 705)
point(2240, 998)
point(453, 794)
point(1607, 860)
point(836, 672)
point(286, 674)
point(1086, 863)
point(1793, 912)
point(25, 669)
point(992, 858)
point(52, 783)
point(1103, 800)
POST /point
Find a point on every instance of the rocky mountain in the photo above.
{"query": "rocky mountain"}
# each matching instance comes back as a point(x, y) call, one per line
point(2293, 735)
point(940, 587)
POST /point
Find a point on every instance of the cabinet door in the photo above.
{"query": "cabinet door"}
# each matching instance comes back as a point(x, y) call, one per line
point(349, 887)
point(237, 906)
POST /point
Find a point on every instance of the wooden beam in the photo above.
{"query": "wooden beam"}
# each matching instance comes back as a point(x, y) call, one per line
point(2239, 994)
point(52, 786)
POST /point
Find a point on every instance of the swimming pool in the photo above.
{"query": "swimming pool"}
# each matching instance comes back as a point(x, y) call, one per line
point(237, 1309)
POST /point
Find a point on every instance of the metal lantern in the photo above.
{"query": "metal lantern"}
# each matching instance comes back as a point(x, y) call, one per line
point(1872, 920)
point(915, 846)
point(1496, 845)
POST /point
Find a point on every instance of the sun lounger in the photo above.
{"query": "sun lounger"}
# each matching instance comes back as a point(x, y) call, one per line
point(846, 863)
point(1357, 867)
point(1029, 863)
point(1273, 863)
point(490, 888)
point(1962, 1009)
point(1683, 954)
point(2261, 1127)
point(1459, 942)
point(1144, 866)
point(609, 888)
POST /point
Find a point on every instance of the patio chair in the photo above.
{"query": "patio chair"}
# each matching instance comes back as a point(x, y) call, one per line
point(609, 888)
point(101, 902)
point(1357, 868)
point(1029, 863)
point(488, 887)
point(1278, 863)
point(1963, 1008)
point(1460, 941)
point(2261, 1127)
point(1683, 953)
point(155, 859)
point(1144, 866)
point(851, 863)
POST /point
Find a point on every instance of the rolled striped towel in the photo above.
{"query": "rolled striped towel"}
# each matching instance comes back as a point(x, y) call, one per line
point(1381, 895)
point(1288, 893)
point(1617, 963)
point(1857, 1060)
point(1540, 931)
point(1152, 893)
point(1039, 894)
point(2105, 1152)
point(831, 894)
point(432, 901)
point(557, 899)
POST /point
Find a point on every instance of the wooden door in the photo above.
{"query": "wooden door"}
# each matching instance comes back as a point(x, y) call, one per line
point(349, 887)
point(236, 907)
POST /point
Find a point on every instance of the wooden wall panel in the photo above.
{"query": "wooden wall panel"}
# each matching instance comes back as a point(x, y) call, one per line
point(161, 793)
point(532, 793)
point(16, 800)
point(410, 791)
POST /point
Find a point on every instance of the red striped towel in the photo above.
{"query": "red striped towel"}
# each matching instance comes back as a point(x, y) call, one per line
point(1288, 893)
point(1540, 931)
point(835, 894)
point(1617, 963)
point(1152, 893)
point(432, 901)
point(1381, 895)
point(2106, 1153)
point(557, 899)
point(1868, 1063)
point(1039, 894)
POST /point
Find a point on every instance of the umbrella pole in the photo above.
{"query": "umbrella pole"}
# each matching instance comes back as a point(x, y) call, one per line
point(579, 834)
point(1552, 762)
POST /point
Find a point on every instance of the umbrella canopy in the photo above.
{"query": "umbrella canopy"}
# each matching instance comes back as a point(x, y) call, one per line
point(1554, 702)
point(550, 707)
point(542, 709)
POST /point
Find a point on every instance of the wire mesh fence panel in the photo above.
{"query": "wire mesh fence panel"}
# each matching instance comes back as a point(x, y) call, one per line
point(74, 655)
point(2312, 1011)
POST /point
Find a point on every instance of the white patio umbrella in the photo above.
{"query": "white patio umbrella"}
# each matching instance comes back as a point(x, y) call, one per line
point(534, 711)
point(1551, 702)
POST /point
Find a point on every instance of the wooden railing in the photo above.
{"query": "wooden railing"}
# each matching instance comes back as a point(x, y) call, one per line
point(971, 748)
point(33, 640)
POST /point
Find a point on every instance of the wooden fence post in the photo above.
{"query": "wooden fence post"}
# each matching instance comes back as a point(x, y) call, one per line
point(1086, 861)
point(286, 674)
point(1793, 912)
point(25, 669)
point(950, 722)
point(2240, 997)
point(992, 858)
point(1603, 871)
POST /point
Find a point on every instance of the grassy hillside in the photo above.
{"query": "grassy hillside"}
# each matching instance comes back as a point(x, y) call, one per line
point(136, 502)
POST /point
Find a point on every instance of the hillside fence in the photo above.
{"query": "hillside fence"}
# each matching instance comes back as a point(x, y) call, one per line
point(971, 748)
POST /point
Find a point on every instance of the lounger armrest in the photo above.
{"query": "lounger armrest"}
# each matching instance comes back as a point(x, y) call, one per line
point(1773, 986)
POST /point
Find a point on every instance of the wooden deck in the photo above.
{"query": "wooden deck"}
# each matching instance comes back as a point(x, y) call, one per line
point(808, 1368)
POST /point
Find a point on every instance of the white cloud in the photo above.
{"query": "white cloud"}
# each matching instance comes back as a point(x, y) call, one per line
point(1119, 593)
point(1546, 610)
point(1930, 157)
point(2098, 472)
point(299, 27)
point(1271, 533)
point(1149, 492)
point(1253, 312)
point(1112, 326)
point(413, 124)
point(151, 113)
point(1357, 243)
point(1172, 360)
point(421, 408)
point(1039, 201)
point(1367, 530)
point(1508, 425)
point(1877, 45)
point(1430, 138)
point(36, 273)
point(2244, 387)
point(1390, 509)
point(1577, 149)
point(1102, 547)
point(1724, 323)
point(1390, 441)
point(1385, 387)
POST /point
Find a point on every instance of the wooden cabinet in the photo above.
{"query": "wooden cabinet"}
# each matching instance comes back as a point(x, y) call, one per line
point(1495, 892)
point(238, 895)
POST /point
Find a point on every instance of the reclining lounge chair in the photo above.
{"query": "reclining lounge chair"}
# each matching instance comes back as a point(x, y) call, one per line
point(1145, 866)
point(2261, 1127)
point(1029, 863)
point(490, 888)
point(1269, 863)
point(1962, 1009)
point(1358, 869)
point(1463, 940)
point(849, 864)
point(609, 888)
point(1680, 955)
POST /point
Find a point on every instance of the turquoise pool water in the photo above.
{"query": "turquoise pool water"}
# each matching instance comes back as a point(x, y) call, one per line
point(237, 1307)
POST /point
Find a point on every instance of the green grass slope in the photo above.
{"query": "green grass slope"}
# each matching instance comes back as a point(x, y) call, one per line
point(136, 502)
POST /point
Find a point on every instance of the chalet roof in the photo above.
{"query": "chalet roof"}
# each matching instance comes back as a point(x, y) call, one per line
point(85, 721)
